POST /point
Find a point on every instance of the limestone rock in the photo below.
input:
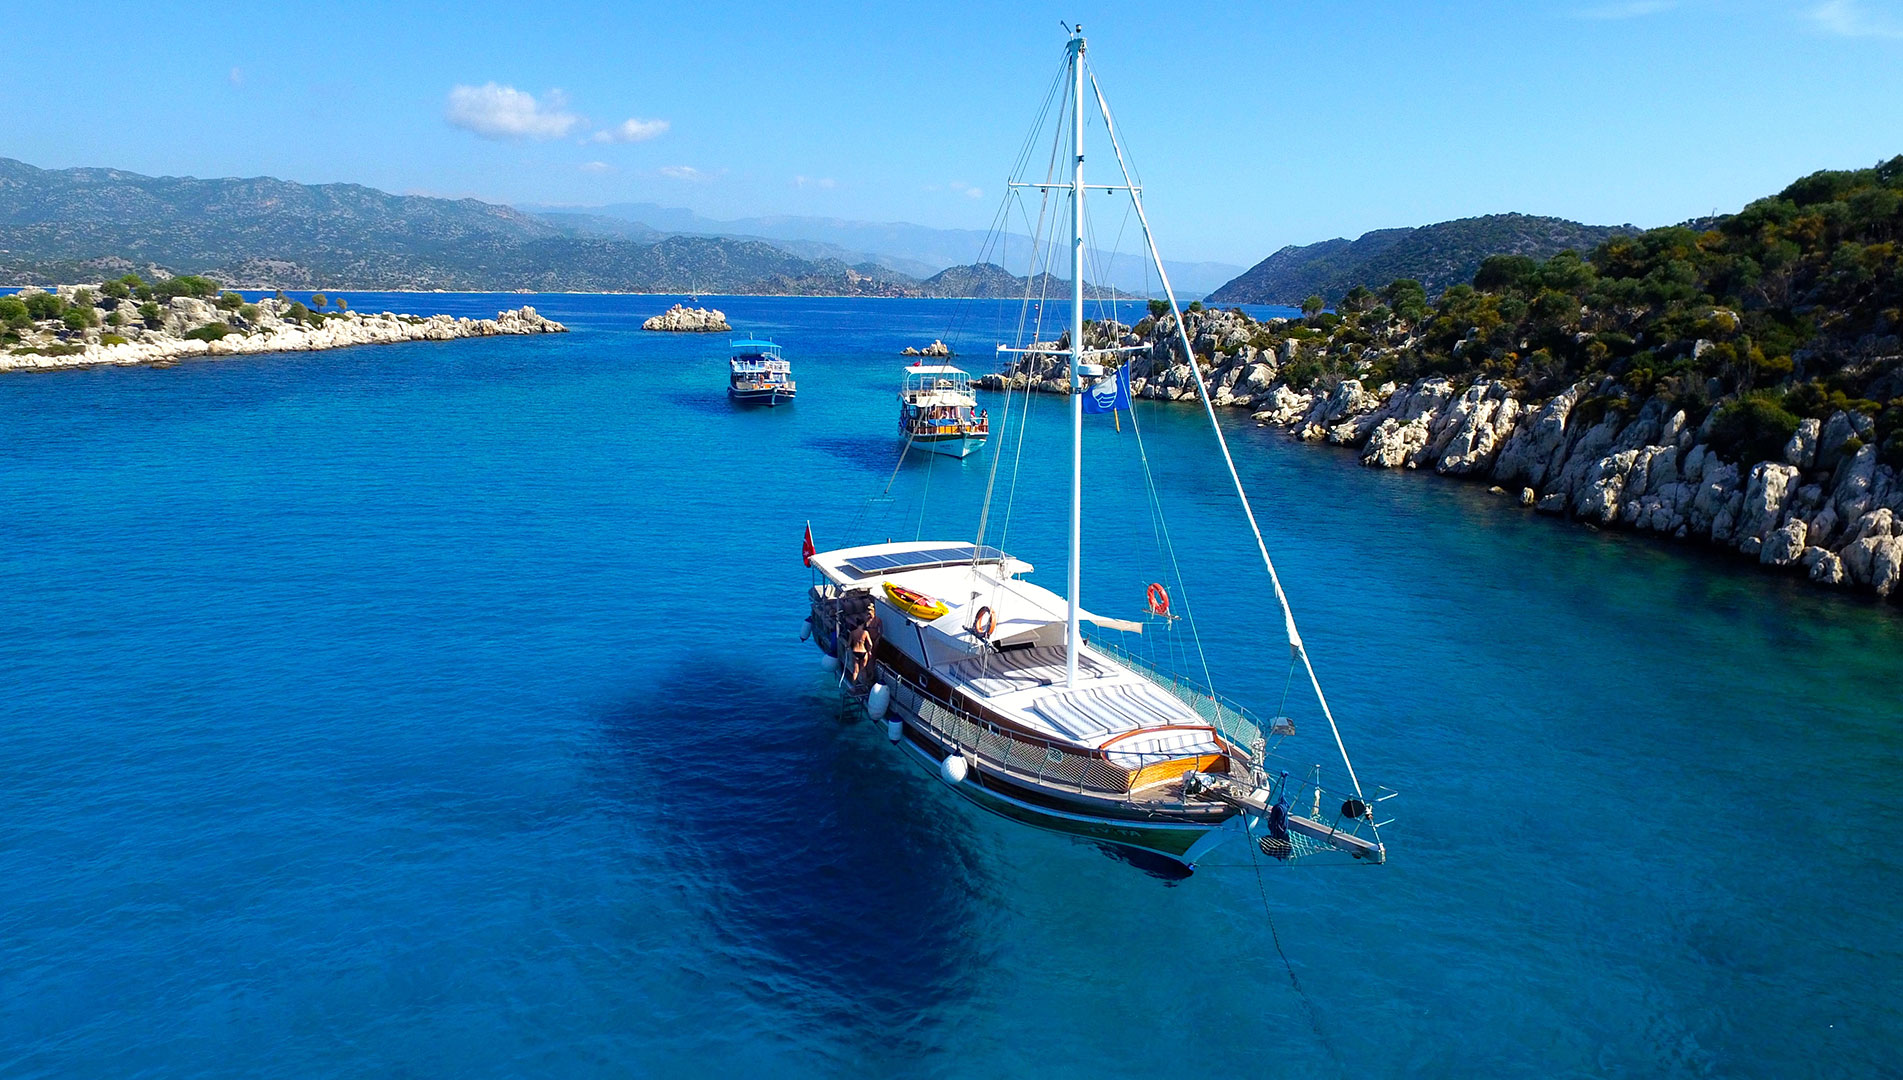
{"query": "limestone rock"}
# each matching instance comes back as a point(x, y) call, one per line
point(681, 319)
point(936, 348)
point(1535, 450)
point(1783, 546)
point(1395, 443)
point(1828, 569)
point(1801, 451)
point(1284, 407)
point(1769, 489)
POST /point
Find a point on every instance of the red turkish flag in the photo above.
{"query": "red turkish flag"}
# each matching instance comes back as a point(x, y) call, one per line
point(806, 546)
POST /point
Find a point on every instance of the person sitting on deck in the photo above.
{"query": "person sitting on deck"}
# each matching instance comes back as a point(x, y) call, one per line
point(864, 640)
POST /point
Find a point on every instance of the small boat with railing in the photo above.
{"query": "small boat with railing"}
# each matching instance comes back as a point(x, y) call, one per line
point(758, 374)
point(938, 411)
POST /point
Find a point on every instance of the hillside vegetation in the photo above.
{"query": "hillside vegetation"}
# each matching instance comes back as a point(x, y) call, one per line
point(1437, 256)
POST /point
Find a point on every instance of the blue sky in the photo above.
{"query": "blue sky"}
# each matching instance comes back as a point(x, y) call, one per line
point(1254, 125)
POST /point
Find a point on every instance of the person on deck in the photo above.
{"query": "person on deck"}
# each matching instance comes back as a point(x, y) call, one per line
point(864, 640)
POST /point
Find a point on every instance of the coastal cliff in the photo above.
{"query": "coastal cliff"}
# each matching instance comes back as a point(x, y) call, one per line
point(1823, 505)
point(84, 326)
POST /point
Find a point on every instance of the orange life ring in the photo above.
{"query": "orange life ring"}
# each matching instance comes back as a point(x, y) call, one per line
point(983, 624)
point(1159, 599)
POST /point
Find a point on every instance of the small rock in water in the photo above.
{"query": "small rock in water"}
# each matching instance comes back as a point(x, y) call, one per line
point(936, 348)
point(688, 320)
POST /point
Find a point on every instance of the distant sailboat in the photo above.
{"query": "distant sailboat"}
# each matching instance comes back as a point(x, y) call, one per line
point(989, 681)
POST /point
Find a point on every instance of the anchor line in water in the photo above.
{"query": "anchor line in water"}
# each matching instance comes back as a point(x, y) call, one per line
point(1308, 1003)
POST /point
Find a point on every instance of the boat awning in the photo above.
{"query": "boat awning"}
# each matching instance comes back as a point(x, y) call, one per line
point(929, 398)
point(934, 369)
point(1018, 614)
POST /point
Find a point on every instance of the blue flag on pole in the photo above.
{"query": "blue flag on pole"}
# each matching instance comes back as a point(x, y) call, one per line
point(1109, 395)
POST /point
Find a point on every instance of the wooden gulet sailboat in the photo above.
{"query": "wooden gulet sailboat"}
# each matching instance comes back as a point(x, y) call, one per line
point(988, 679)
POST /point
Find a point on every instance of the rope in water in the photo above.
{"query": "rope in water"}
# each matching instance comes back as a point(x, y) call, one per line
point(1308, 1003)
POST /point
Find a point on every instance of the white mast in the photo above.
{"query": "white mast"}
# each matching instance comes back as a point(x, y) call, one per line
point(1072, 636)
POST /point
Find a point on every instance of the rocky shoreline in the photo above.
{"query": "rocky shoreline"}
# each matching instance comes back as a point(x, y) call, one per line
point(190, 327)
point(1825, 508)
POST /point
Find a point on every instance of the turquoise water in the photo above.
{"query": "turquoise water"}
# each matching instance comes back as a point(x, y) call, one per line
point(438, 710)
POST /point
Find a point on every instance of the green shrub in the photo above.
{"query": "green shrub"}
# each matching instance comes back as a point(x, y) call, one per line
point(116, 290)
point(230, 301)
point(1753, 428)
point(117, 318)
point(50, 350)
point(111, 339)
point(186, 285)
point(152, 315)
point(77, 318)
point(208, 332)
point(13, 313)
point(249, 312)
point(297, 312)
point(42, 305)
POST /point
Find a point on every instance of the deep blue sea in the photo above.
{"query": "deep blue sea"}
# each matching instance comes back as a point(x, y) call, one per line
point(439, 710)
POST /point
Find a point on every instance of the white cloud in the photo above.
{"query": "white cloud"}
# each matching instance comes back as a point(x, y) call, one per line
point(494, 111)
point(684, 172)
point(1630, 9)
point(595, 166)
point(966, 190)
point(630, 130)
point(236, 77)
point(1847, 18)
point(825, 182)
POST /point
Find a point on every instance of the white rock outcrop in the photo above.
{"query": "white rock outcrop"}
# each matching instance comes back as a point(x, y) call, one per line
point(272, 332)
point(686, 320)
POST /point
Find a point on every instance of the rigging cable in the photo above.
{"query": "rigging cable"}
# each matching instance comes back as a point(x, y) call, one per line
point(1202, 389)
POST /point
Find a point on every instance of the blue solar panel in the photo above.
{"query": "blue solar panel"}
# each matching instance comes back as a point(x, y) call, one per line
point(866, 565)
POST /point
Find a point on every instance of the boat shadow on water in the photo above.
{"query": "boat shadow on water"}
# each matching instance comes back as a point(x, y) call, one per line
point(717, 403)
point(808, 848)
point(875, 452)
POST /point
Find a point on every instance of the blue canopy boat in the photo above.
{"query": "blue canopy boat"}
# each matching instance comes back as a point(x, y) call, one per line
point(759, 376)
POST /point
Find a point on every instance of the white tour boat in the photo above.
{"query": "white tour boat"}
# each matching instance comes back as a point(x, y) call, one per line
point(939, 412)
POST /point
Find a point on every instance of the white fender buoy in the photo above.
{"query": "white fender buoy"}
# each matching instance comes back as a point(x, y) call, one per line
point(806, 628)
point(952, 769)
point(830, 663)
point(895, 730)
point(878, 701)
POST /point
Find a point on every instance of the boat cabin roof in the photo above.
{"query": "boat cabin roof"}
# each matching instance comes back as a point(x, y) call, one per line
point(753, 347)
point(935, 369)
point(1023, 680)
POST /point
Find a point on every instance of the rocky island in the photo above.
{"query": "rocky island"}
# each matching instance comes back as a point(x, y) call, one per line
point(1737, 383)
point(936, 348)
point(685, 320)
point(126, 321)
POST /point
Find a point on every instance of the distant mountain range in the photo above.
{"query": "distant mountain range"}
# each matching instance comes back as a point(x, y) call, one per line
point(259, 232)
point(913, 250)
point(1435, 255)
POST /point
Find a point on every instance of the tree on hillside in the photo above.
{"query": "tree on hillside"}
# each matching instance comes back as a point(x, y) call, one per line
point(319, 301)
point(342, 304)
point(1313, 306)
point(1159, 308)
